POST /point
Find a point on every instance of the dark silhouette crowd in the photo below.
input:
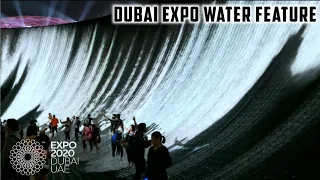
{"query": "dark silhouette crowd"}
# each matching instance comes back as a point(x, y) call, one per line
point(11, 133)
point(132, 140)
point(135, 141)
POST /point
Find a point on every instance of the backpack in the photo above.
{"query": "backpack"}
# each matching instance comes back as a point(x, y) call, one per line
point(88, 121)
point(116, 137)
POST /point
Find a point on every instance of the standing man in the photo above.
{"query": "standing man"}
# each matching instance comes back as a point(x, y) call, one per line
point(140, 143)
point(54, 124)
point(67, 128)
point(89, 120)
point(77, 124)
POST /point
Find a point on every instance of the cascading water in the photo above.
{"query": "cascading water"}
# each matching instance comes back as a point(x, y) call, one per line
point(181, 78)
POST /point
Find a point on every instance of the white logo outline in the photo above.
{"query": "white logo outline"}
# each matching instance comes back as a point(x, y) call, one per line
point(36, 153)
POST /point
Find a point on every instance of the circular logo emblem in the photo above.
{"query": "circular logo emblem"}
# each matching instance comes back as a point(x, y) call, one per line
point(27, 157)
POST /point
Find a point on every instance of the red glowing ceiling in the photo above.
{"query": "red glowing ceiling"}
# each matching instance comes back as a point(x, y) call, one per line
point(30, 21)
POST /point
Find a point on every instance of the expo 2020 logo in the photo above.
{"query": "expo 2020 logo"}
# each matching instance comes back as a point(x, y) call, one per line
point(27, 157)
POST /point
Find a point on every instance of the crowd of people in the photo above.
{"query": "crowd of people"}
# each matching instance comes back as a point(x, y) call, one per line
point(133, 139)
